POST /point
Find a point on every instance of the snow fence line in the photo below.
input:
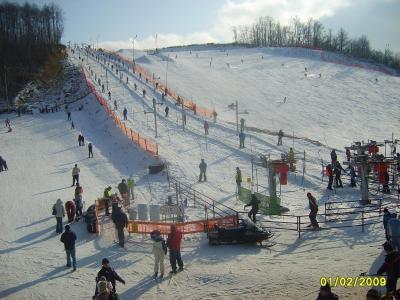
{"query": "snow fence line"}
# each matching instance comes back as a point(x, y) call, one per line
point(134, 136)
point(199, 110)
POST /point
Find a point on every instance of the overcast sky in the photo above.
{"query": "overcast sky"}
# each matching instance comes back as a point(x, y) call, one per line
point(113, 23)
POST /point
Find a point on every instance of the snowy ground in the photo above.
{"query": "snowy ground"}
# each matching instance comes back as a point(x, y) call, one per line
point(42, 150)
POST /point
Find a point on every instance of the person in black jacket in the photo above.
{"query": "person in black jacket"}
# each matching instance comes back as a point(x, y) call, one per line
point(121, 221)
point(109, 273)
point(69, 238)
point(254, 207)
point(333, 157)
point(325, 293)
point(338, 173)
point(391, 267)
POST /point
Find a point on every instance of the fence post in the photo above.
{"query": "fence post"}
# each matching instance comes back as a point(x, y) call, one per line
point(362, 220)
point(298, 225)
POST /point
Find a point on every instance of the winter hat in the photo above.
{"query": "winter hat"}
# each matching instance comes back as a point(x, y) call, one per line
point(326, 288)
point(105, 261)
point(67, 227)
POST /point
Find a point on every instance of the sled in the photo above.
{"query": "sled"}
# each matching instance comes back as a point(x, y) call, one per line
point(245, 232)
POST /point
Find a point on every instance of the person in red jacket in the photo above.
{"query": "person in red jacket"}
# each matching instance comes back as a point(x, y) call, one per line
point(174, 245)
point(70, 208)
point(329, 173)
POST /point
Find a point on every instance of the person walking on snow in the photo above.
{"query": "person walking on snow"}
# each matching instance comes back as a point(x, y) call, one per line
point(109, 95)
point(68, 238)
point(254, 203)
point(312, 203)
point(8, 124)
point(280, 136)
point(333, 157)
point(110, 275)
point(79, 205)
point(206, 126)
point(203, 170)
point(166, 111)
point(238, 179)
point(123, 190)
point(106, 198)
point(90, 148)
point(75, 175)
point(242, 136)
point(131, 185)
point(59, 214)
point(352, 176)
point(159, 251)
point(338, 173)
point(70, 209)
point(214, 113)
point(121, 221)
point(184, 118)
point(69, 115)
point(125, 114)
point(80, 140)
point(83, 140)
point(174, 245)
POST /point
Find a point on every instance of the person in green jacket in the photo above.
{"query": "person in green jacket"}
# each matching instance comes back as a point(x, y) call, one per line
point(131, 184)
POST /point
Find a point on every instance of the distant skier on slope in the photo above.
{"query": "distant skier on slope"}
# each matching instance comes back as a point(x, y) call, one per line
point(125, 112)
point(166, 111)
point(242, 137)
point(203, 170)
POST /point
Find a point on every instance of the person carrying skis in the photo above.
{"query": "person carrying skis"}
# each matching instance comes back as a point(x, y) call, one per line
point(174, 245)
point(90, 148)
point(391, 267)
point(166, 111)
point(206, 126)
point(242, 137)
point(120, 220)
point(333, 157)
point(59, 214)
point(159, 251)
point(70, 209)
point(329, 173)
point(280, 135)
point(110, 275)
point(131, 185)
point(312, 203)
point(203, 170)
point(338, 172)
point(254, 202)
point(68, 238)
point(75, 175)
point(238, 179)
point(106, 198)
point(125, 112)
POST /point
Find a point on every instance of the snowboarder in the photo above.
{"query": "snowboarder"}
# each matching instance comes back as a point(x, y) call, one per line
point(325, 293)
point(121, 221)
point(159, 251)
point(59, 214)
point(254, 202)
point(123, 190)
point(338, 172)
point(391, 267)
point(109, 273)
point(214, 113)
point(280, 135)
point(206, 126)
point(238, 179)
point(125, 112)
point(312, 203)
point(68, 238)
point(69, 115)
point(70, 209)
point(166, 111)
point(329, 173)
point(90, 147)
point(203, 169)
point(348, 154)
point(106, 199)
point(115, 105)
point(131, 184)
point(333, 157)
point(75, 175)
point(174, 245)
point(242, 136)
point(241, 124)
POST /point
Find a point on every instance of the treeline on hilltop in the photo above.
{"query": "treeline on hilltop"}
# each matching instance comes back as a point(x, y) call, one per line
point(29, 37)
point(311, 34)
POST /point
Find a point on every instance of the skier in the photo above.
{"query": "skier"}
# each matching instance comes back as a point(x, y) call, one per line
point(241, 124)
point(254, 202)
point(166, 111)
point(325, 293)
point(242, 136)
point(59, 213)
point(125, 114)
point(115, 105)
point(338, 172)
point(203, 169)
point(90, 147)
point(123, 190)
point(70, 208)
point(333, 157)
point(110, 275)
point(391, 267)
point(109, 95)
point(214, 113)
point(238, 179)
point(312, 203)
point(159, 251)
point(75, 175)
point(68, 238)
point(121, 221)
point(206, 126)
point(106, 199)
point(174, 245)
point(280, 135)
point(329, 173)
point(131, 184)
point(69, 115)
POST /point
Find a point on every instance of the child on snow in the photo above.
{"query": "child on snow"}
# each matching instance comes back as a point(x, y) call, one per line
point(159, 251)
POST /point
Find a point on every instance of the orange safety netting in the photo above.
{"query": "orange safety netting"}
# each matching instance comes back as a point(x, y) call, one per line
point(135, 137)
point(186, 227)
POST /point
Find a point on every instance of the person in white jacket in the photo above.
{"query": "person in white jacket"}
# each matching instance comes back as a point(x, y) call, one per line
point(59, 213)
point(159, 251)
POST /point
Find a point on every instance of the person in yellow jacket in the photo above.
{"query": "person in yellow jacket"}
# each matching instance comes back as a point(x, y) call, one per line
point(131, 185)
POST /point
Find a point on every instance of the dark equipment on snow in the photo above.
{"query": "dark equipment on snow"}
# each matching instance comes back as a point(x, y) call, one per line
point(245, 232)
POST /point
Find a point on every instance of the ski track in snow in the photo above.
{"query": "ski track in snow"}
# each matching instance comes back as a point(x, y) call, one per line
point(42, 149)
